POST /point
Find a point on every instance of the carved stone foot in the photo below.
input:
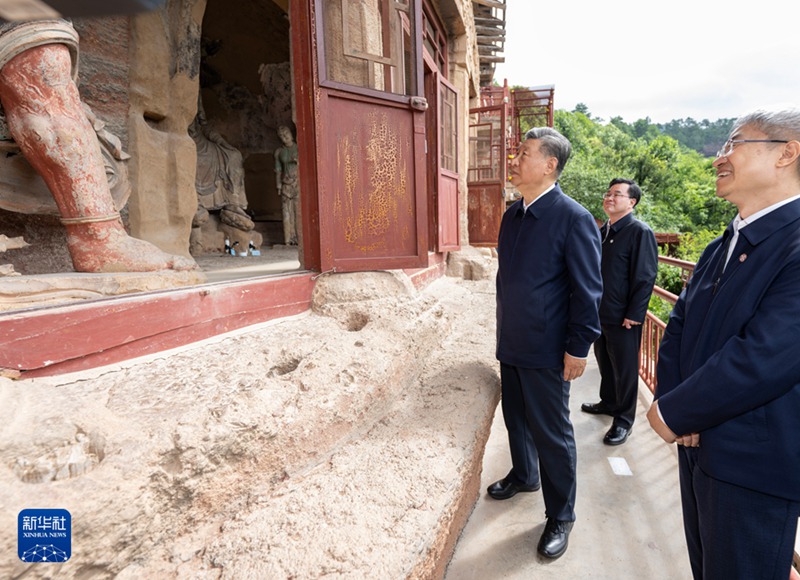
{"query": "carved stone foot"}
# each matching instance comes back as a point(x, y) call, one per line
point(106, 247)
point(236, 218)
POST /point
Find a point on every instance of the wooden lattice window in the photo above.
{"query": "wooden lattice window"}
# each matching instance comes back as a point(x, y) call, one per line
point(449, 128)
point(434, 39)
point(485, 147)
point(368, 44)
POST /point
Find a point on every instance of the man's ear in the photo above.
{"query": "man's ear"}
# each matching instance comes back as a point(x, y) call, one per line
point(791, 152)
point(551, 165)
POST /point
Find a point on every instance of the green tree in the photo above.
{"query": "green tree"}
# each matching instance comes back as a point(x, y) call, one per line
point(678, 183)
point(673, 166)
point(705, 136)
point(582, 108)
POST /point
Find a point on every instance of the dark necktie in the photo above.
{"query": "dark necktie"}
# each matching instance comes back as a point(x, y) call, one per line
point(727, 237)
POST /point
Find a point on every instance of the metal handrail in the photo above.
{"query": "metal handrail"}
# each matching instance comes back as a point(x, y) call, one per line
point(653, 327)
point(676, 262)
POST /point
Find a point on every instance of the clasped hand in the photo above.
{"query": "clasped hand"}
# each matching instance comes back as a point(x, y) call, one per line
point(663, 431)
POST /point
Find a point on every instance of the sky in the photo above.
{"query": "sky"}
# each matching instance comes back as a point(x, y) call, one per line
point(669, 60)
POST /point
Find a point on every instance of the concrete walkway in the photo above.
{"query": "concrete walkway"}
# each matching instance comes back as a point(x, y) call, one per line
point(628, 526)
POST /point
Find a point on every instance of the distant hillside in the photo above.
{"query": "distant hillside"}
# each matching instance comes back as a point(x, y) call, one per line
point(705, 136)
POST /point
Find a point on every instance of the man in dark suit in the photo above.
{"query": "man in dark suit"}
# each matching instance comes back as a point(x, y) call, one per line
point(729, 365)
point(548, 293)
point(629, 268)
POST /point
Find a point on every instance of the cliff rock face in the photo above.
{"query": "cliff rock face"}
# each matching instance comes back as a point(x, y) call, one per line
point(346, 441)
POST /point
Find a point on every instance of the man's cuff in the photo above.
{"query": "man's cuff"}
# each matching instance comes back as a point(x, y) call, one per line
point(660, 416)
point(578, 357)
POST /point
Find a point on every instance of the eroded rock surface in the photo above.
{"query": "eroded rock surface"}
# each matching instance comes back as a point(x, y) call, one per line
point(343, 442)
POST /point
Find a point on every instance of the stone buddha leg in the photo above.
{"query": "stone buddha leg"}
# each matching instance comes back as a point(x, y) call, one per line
point(45, 117)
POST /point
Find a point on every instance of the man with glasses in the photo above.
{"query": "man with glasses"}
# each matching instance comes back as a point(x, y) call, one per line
point(729, 364)
point(629, 267)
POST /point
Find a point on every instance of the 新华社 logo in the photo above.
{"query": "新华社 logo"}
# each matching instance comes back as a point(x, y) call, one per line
point(44, 535)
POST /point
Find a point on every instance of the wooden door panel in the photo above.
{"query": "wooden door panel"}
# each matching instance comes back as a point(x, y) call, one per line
point(448, 166)
point(486, 174)
point(372, 206)
point(448, 213)
point(485, 211)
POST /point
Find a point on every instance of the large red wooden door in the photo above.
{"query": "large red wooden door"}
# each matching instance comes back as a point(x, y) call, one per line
point(368, 166)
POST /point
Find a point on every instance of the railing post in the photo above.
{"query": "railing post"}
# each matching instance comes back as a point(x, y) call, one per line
point(653, 327)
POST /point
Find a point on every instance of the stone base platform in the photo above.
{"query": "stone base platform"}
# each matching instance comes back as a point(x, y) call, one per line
point(17, 292)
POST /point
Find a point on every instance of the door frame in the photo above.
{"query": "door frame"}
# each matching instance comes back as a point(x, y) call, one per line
point(311, 89)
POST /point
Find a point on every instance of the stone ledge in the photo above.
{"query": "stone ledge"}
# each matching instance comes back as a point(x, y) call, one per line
point(17, 292)
point(305, 448)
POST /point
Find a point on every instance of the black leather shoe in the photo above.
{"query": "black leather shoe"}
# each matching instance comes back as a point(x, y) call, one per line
point(506, 488)
point(555, 538)
point(616, 435)
point(596, 408)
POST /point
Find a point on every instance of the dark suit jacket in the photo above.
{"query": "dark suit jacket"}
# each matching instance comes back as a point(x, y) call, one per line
point(548, 282)
point(629, 267)
point(729, 364)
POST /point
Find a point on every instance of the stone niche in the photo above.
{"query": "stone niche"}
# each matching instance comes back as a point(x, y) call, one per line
point(245, 95)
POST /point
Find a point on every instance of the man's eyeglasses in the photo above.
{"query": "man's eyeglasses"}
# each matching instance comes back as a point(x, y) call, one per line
point(609, 195)
point(727, 148)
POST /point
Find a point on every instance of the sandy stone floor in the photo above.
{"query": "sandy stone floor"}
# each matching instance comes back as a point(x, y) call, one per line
point(336, 443)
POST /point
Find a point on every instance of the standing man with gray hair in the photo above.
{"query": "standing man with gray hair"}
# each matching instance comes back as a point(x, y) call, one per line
point(729, 365)
point(548, 293)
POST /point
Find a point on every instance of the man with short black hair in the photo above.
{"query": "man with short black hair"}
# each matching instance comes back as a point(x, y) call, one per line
point(629, 267)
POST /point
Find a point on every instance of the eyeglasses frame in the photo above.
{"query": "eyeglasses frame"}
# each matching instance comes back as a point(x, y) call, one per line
point(727, 147)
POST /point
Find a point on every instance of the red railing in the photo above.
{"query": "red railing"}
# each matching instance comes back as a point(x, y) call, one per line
point(653, 328)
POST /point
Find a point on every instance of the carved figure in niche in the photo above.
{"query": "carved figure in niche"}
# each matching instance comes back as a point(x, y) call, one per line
point(286, 181)
point(220, 176)
point(43, 110)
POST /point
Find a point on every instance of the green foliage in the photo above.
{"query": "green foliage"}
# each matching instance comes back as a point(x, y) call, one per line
point(693, 244)
point(582, 108)
point(670, 278)
point(677, 183)
point(705, 136)
point(659, 307)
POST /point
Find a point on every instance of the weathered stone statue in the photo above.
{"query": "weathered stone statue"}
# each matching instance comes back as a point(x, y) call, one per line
point(286, 181)
point(220, 188)
point(220, 174)
point(44, 114)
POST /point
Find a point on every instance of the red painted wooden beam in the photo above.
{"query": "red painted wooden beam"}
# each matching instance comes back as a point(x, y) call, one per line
point(52, 341)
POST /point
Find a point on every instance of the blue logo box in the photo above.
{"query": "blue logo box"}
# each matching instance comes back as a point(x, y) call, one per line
point(44, 535)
